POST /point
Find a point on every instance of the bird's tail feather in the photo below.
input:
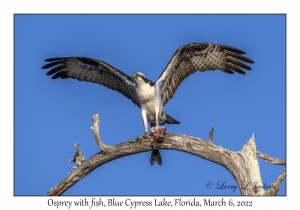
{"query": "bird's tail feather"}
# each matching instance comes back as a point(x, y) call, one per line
point(155, 157)
point(171, 120)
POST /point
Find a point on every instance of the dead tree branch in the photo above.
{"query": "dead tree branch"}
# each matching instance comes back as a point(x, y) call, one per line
point(78, 156)
point(96, 131)
point(211, 135)
point(243, 165)
point(276, 185)
point(269, 159)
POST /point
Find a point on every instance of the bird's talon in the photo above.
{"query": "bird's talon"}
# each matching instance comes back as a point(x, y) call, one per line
point(139, 138)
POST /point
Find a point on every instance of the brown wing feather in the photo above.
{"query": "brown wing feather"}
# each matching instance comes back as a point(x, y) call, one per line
point(94, 71)
point(199, 57)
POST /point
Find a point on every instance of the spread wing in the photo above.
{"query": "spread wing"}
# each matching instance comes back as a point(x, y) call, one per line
point(199, 57)
point(94, 71)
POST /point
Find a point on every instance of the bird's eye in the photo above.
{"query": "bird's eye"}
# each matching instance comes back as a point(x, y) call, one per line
point(138, 75)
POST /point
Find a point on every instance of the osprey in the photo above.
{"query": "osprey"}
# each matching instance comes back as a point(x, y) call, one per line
point(151, 97)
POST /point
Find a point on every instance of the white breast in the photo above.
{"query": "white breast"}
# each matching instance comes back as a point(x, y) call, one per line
point(146, 93)
point(150, 101)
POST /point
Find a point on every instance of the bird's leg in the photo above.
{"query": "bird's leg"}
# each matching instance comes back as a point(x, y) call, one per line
point(156, 118)
point(145, 122)
point(144, 118)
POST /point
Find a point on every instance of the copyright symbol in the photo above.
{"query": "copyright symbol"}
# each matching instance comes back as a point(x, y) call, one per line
point(209, 185)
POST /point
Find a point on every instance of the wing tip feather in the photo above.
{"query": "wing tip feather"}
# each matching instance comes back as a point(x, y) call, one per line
point(55, 59)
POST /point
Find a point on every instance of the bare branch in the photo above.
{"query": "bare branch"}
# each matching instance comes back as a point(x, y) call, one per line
point(96, 131)
point(276, 184)
point(269, 159)
point(211, 135)
point(78, 156)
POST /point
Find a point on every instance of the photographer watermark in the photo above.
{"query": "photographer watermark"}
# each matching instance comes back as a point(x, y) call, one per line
point(223, 185)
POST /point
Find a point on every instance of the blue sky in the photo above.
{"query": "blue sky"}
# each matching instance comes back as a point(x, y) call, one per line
point(52, 115)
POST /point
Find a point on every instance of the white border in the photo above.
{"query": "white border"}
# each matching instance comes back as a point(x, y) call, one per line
point(8, 201)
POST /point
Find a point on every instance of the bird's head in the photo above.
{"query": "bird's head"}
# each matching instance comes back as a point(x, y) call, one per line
point(137, 75)
point(139, 79)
